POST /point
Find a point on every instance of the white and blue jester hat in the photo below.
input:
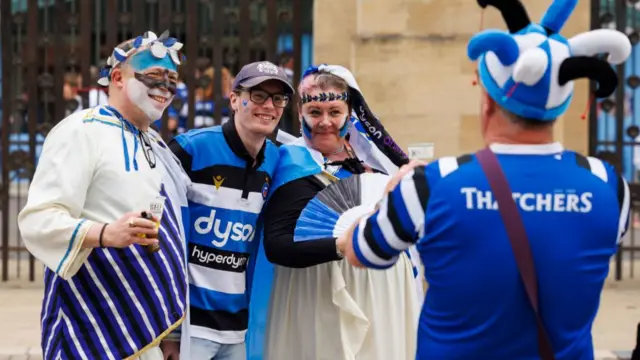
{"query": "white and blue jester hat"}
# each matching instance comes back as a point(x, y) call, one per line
point(163, 50)
point(529, 70)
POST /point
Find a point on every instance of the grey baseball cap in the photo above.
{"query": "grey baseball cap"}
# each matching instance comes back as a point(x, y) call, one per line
point(258, 72)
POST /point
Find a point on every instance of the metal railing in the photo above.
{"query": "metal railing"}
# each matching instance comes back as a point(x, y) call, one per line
point(52, 49)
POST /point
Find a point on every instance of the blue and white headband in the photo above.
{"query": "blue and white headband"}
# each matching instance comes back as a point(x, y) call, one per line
point(147, 50)
point(530, 69)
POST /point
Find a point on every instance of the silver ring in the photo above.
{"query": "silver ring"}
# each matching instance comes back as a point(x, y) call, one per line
point(132, 222)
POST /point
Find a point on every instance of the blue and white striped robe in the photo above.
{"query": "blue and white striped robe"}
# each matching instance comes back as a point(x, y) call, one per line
point(105, 303)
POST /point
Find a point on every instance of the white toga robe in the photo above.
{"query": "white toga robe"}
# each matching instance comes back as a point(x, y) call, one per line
point(334, 311)
point(81, 174)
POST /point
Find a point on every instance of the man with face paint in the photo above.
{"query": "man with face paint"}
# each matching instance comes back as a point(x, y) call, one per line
point(231, 167)
point(104, 214)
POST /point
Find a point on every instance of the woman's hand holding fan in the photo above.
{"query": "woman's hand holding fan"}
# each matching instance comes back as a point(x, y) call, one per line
point(335, 211)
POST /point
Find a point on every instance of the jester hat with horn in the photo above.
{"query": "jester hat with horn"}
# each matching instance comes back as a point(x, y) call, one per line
point(530, 69)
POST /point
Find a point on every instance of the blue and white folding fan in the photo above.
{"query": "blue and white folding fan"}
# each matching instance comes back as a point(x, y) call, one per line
point(335, 208)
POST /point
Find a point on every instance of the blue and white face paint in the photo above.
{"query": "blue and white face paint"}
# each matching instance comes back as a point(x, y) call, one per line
point(152, 101)
point(364, 120)
point(321, 101)
point(153, 85)
point(324, 115)
point(324, 105)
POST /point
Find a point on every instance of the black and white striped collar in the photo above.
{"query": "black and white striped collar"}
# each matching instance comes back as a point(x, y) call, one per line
point(527, 149)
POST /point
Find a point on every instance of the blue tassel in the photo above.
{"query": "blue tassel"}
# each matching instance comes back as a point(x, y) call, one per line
point(135, 148)
point(126, 152)
point(133, 130)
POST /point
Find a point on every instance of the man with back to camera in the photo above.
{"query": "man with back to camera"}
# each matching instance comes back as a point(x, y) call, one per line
point(574, 209)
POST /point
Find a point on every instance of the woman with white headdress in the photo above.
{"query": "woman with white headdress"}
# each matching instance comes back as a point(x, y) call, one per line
point(320, 306)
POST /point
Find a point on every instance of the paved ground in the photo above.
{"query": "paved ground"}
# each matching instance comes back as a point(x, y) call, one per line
point(614, 329)
point(19, 321)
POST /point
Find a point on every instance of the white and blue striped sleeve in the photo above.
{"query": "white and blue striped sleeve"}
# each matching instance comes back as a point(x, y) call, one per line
point(396, 225)
point(624, 200)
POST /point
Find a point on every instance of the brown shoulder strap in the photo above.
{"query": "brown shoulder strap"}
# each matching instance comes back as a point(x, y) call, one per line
point(518, 238)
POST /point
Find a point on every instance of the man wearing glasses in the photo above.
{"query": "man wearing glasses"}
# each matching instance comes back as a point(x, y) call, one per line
point(231, 167)
point(104, 215)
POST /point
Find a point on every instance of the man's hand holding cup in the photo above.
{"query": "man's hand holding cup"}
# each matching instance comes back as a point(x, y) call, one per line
point(132, 228)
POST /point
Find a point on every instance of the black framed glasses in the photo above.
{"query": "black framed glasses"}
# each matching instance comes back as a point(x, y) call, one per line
point(147, 150)
point(260, 96)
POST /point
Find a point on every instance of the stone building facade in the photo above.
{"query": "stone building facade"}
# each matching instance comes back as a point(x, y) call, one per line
point(409, 57)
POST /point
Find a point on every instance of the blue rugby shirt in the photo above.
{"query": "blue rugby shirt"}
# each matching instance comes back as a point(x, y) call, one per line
point(575, 210)
point(228, 195)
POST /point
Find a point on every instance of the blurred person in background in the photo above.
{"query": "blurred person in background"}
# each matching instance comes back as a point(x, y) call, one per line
point(178, 112)
point(73, 101)
point(286, 62)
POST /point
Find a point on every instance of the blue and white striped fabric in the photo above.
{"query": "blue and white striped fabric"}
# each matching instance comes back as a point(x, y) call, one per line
point(120, 301)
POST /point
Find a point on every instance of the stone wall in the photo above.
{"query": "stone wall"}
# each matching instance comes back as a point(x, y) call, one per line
point(409, 57)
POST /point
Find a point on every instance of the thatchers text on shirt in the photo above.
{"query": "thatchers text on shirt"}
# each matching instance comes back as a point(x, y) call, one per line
point(561, 201)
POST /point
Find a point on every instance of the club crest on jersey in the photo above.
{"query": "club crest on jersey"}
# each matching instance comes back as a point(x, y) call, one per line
point(265, 188)
point(217, 181)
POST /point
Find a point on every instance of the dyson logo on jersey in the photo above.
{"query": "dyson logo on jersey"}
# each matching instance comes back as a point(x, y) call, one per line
point(568, 201)
point(235, 231)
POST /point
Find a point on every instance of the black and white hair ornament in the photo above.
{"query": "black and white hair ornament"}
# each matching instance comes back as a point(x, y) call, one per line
point(323, 97)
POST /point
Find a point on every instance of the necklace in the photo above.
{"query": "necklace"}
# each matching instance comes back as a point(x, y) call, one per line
point(333, 167)
point(340, 149)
